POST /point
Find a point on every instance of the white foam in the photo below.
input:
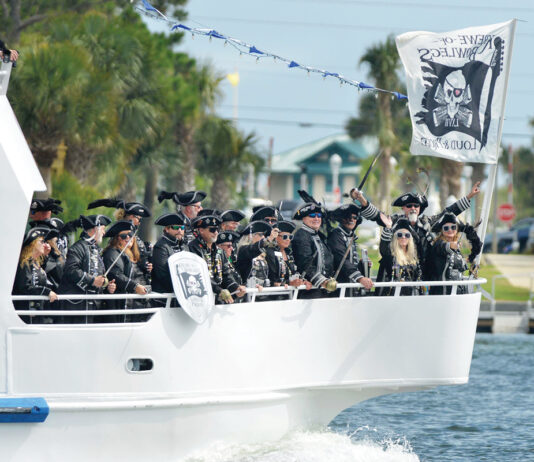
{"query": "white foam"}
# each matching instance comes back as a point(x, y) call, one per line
point(311, 447)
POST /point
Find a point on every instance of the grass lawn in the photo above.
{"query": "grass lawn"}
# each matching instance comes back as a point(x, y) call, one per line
point(503, 289)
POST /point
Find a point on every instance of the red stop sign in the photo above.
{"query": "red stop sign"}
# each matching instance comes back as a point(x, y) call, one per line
point(506, 212)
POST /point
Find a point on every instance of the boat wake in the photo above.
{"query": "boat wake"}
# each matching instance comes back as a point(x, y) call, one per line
point(311, 447)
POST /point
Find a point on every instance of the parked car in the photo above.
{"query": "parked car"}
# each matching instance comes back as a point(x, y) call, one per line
point(524, 230)
point(505, 242)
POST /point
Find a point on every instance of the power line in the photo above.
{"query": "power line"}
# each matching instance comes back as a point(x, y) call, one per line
point(272, 22)
point(329, 125)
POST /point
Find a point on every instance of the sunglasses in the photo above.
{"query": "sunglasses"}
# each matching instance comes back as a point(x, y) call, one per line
point(451, 227)
point(271, 220)
point(315, 215)
point(406, 235)
point(226, 245)
point(285, 237)
point(412, 206)
point(125, 235)
point(177, 227)
point(213, 229)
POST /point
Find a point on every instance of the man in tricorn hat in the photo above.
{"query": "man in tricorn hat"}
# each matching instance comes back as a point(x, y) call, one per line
point(134, 212)
point(413, 206)
point(84, 269)
point(41, 210)
point(314, 259)
point(204, 245)
point(171, 241)
point(189, 205)
point(230, 220)
point(227, 242)
point(342, 238)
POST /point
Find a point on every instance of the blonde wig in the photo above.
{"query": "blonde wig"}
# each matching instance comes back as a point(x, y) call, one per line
point(408, 257)
point(26, 255)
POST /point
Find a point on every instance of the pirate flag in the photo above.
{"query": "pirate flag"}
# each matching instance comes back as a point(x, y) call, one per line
point(457, 85)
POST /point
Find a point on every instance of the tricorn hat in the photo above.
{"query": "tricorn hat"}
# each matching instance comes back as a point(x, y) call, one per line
point(130, 208)
point(39, 231)
point(286, 226)
point(170, 219)
point(205, 212)
point(117, 227)
point(206, 220)
point(345, 211)
point(232, 215)
point(90, 221)
point(447, 217)
point(45, 205)
point(411, 198)
point(228, 236)
point(263, 212)
point(307, 208)
point(257, 227)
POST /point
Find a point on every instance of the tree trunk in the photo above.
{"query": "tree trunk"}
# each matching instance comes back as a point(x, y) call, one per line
point(151, 187)
point(220, 193)
point(186, 180)
point(385, 174)
point(14, 33)
point(450, 182)
point(478, 174)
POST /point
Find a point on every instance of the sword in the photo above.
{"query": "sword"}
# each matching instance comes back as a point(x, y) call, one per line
point(369, 170)
point(119, 256)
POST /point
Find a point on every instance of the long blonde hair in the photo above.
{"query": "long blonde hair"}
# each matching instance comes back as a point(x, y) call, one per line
point(408, 257)
point(26, 255)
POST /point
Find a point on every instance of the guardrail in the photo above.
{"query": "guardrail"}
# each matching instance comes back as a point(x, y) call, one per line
point(491, 297)
point(291, 292)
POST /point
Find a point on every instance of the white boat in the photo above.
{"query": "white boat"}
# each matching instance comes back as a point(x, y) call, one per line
point(164, 388)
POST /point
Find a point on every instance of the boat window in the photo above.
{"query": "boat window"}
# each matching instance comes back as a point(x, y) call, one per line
point(139, 364)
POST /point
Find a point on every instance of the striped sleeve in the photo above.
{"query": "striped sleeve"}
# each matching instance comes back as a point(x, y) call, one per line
point(370, 212)
point(386, 235)
point(318, 279)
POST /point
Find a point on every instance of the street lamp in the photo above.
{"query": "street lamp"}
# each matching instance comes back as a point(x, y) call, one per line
point(335, 166)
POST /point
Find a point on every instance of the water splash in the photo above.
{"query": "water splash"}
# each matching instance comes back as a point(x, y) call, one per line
point(311, 447)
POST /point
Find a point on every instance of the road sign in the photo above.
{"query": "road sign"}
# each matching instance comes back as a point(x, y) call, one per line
point(506, 212)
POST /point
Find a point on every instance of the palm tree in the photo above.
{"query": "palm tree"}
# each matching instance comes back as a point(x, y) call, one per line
point(383, 61)
point(224, 154)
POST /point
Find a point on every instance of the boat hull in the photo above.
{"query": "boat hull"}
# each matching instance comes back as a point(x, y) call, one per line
point(251, 372)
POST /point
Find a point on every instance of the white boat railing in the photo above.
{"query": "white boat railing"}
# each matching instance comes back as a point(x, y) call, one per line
point(291, 292)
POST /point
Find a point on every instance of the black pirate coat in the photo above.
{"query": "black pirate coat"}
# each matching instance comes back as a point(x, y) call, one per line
point(31, 280)
point(280, 271)
point(220, 270)
point(390, 270)
point(245, 256)
point(338, 241)
point(446, 264)
point(166, 246)
point(422, 231)
point(314, 259)
point(53, 266)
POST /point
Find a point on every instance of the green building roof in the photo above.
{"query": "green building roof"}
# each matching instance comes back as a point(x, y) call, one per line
point(315, 155)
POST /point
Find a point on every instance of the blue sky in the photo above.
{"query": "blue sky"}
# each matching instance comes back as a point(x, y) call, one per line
point(332, 35)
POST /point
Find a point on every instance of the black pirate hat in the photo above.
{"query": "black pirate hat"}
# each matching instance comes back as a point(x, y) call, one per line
point(130, 208)
point(117, 227)
point(345, 211)
point(260, 213)
point(445, 218)
point(206, 221)
point(286, 226)
point(307, 208)
point(39, 231)
point(258, 227)
point(232, 215)
point(411, 198)
point(228, 236)
point(205, 212)
point(170, 219)
point(45, 205)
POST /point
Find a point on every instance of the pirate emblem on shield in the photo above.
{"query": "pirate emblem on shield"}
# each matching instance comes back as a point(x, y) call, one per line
point(460, 98)
point(192, 285)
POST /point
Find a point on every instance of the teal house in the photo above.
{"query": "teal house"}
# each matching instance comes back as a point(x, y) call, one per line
point(311, 167)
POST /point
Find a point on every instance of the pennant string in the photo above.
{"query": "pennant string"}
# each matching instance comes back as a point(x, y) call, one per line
point(145, 8)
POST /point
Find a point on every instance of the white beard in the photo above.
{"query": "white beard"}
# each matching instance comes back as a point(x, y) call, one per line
point(412, 217)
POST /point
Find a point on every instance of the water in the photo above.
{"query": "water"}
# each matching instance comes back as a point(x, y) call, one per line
point(489, 419)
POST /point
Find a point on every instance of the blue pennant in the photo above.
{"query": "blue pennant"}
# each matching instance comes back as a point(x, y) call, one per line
point(148, 6)
point(253, 49)
point(333, 74)
point(364, 85)
point(400, 95)
point(179, 26)
point(214, 33)
point(293, 64)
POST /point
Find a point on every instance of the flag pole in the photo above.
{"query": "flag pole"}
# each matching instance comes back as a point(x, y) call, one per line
point(486, 207)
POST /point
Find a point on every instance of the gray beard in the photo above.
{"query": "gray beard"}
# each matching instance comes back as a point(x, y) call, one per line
point(412, 217)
